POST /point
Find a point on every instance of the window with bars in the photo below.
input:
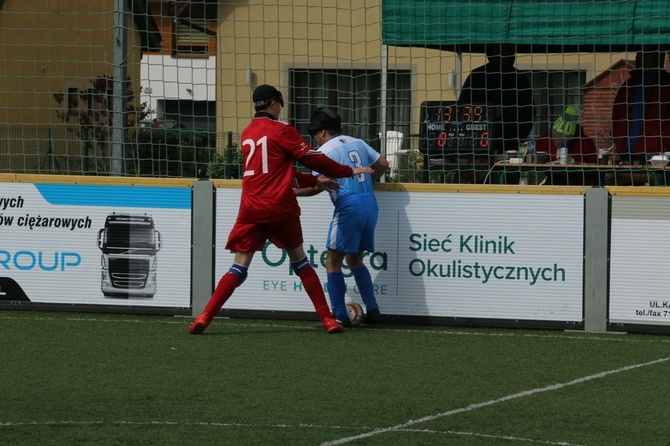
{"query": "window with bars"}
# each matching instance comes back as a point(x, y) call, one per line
point(355, 95)
point(553, 91)
point(195, 28)
point(190, 37)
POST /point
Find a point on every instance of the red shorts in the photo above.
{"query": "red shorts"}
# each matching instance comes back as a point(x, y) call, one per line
point(251, 237)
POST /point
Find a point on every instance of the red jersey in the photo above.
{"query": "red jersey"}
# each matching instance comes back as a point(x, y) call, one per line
point(654, 135)
point(269, 150)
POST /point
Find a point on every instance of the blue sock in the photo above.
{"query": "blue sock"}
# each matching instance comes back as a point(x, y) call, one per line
point(365, 287)
point(336, 290)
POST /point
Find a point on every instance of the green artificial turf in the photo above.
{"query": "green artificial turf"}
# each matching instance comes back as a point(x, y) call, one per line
point(100, 379)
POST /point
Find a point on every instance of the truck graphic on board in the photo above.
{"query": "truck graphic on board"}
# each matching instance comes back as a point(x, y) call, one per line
point(129, 244)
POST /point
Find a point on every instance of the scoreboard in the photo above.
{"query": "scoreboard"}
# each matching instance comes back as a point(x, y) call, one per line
point(448, 128)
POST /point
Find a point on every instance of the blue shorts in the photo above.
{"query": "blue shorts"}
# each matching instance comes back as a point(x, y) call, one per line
point(353, 226)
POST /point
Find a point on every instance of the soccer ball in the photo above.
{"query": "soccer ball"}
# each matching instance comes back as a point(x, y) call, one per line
point(355, 313)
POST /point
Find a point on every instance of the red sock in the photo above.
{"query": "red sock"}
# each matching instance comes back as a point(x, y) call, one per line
point(223, 291)
point(312, 284)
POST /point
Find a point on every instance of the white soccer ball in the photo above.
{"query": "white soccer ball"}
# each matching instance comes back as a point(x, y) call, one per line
point(355, 313)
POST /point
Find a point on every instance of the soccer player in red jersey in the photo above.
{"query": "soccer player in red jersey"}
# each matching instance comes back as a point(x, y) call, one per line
point(269, 209)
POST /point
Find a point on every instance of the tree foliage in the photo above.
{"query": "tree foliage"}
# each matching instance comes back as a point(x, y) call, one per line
point(90, 115)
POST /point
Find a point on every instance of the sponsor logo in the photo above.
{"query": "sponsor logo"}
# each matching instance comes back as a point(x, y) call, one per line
point(26, 260)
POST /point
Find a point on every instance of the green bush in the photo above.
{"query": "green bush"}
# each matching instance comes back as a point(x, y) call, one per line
point(177, 153)
point(226, 165)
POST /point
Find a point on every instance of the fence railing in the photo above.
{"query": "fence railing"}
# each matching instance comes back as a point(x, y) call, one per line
point(152, 152)
point(184, 153)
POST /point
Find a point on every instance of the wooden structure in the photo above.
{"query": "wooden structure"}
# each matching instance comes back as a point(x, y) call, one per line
point(598, 97)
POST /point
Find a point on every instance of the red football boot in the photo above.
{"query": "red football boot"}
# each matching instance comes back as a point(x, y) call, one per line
point(331, 325)
point(199, 324)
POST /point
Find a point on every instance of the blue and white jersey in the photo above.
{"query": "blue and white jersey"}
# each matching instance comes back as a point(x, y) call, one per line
point(352, 152)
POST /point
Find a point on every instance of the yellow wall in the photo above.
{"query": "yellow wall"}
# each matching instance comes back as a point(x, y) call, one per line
point(48, 46)
point(271, 37)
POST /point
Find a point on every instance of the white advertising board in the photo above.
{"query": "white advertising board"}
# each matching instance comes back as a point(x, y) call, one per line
point(639, 247)
point(492, 256)
point(95, 244)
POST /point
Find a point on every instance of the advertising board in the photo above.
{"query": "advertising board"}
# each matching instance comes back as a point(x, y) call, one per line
point(456, 255)
point(95, 244)
point(639, 247)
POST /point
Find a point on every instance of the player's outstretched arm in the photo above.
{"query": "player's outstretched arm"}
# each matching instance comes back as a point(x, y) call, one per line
point(323, 183)
point(306, 185)
point(306, 191)
point(319, 162)
point(358, 170)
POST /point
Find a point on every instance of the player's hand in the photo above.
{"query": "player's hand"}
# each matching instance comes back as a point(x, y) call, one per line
point(358, 170)
point(325, 183)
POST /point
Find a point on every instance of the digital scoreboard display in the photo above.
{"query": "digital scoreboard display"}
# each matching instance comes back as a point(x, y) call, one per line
point(448, 128)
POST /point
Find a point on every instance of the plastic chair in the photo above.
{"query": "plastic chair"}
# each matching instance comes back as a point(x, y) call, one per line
point(394, 142)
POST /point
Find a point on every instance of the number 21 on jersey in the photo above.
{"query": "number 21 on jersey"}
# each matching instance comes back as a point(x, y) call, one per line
point(263, 144)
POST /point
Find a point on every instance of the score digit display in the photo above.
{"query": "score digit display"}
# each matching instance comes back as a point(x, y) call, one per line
point(448, 128)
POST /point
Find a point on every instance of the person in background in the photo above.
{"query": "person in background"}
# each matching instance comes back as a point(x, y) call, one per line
point(641, 109)
point(581, 149)
point(500, 85)
point(352, 229)
point(567, 130)
point(269, 209)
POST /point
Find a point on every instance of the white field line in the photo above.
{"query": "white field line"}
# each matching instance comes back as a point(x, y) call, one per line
point(476, 406)
point(497, 437)
point(273, 426)
point(608, 337)
point(403, 427)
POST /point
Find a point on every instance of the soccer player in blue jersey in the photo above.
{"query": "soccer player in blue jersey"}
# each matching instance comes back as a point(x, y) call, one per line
point(352, 229)
point(268, 207)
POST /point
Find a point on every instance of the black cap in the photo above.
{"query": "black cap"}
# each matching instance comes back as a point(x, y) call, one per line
point(264, 94)
point(324, 119)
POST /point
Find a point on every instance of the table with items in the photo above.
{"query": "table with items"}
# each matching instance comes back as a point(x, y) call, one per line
point(581, 174)
point(480, 171)
point(455, 142)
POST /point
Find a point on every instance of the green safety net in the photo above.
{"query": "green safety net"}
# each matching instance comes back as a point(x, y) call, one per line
point(532, 25)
